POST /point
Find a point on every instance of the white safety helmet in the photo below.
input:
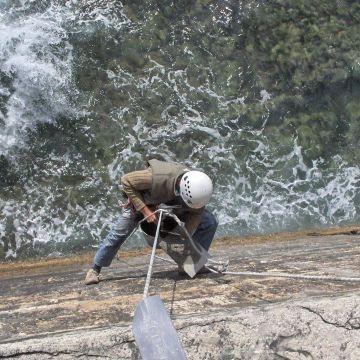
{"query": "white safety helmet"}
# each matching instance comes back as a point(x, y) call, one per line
point(195, 189)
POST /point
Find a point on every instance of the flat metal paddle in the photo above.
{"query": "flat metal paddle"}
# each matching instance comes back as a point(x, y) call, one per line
point(153, 330)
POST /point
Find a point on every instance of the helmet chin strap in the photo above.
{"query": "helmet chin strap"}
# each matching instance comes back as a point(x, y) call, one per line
point(177, 183)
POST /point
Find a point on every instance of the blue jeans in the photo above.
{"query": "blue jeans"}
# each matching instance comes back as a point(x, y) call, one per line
point(204, 235)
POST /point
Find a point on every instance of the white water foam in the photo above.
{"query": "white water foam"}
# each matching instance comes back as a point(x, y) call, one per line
point(37, 57)
point(257, 190)
point(292, 197)
point(91, 13)
point(36, 54)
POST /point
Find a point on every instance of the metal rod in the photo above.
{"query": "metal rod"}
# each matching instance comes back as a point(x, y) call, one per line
point(149, 273)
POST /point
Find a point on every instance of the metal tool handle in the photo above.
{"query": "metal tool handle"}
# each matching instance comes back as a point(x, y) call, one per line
point(146, 217)
point(162, 210)
point(195, 245)
point(149, 273)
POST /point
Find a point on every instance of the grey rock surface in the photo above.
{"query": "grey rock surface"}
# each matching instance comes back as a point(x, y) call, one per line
point(47, 312)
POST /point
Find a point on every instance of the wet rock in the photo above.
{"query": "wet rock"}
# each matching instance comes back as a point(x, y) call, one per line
point(216, 316)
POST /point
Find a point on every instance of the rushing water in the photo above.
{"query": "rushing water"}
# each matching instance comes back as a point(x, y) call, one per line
point(89, 89)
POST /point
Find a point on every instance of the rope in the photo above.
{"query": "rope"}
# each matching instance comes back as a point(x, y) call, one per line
point(149, 273)
point(293, 276)
point(194, 244)
point(266, 274)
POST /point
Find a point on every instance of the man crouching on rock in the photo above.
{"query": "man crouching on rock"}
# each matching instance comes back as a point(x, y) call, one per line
point(160, 183)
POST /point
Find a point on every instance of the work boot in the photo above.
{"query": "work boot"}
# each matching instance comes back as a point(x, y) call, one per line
point(92, 277)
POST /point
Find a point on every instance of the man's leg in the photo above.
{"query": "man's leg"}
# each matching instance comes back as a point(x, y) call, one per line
point(205, 232)
point(111, 244)
point(204, 235)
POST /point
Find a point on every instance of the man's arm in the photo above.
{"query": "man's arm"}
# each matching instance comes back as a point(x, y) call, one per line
point(133, 184)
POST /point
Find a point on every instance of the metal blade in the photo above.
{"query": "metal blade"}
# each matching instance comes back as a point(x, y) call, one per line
point(189, 256)
point(179, 245)
point(154, 332)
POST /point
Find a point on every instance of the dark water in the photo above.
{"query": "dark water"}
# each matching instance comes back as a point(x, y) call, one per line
point(263, 96)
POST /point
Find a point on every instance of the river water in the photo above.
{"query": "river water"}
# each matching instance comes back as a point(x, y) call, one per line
point(91, 89)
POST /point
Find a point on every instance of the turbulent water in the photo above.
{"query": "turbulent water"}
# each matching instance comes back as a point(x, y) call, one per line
point(90, 89)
